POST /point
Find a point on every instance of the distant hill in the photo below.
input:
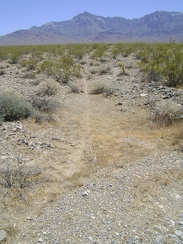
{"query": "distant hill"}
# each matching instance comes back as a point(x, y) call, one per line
point(159, 26)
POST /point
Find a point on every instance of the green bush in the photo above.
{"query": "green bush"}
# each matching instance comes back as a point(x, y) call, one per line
point(13, 107)
point(30, 64)
point(62, 69)
point(163, 62)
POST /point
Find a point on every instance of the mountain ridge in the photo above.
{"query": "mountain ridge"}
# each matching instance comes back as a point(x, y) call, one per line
point(159, 26)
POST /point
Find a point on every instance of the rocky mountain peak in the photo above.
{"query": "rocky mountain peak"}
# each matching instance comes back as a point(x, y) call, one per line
point(160, 26)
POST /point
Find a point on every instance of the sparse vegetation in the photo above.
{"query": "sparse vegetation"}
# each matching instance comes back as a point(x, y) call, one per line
point(2, 72)
point(100, 88)
point(48, 88)
point(120, 131)
point(30, 63)
point(62, 69)
point(29, 75)
point(167, 112)
point(44, 103)
point(13, 107)
point(163, 62)
point(123, 68)
point(16, 176)
point(74, 88)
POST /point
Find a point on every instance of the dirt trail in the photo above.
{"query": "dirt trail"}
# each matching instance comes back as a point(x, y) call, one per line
point(92, 133)
point(94, 136)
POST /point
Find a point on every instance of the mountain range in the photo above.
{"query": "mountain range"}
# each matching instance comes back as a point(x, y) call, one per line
point(159, 26)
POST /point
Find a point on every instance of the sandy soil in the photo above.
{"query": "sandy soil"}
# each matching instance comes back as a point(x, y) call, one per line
point(91, 134)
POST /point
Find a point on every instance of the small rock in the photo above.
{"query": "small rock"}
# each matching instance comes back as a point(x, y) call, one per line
point(29, 218)
point(177, 197)
point(4, 157)
point(172, 236)
point(161, 229)
point(3, 235)
point(124, 109)
point(119, 103)
point(172, 222)
point(164, 97)
point(160, 240)
point(85, 193)
point(178, 233)
point(143, 94)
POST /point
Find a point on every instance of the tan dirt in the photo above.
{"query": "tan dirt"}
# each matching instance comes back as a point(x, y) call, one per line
point(90, 135)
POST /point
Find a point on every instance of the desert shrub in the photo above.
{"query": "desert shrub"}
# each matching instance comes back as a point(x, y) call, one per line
point(2, 72)
point(30, 63)
point(3, 54)
point(29, 75)
point(99, 50)
point(95, 70)
point(166, 112)
point(42, 117)
point(16, 175)
point(122, 49)
point(163, 62)
point(1, 120)
point(14, 58)
point(48, 88)
point(100, 88)
point(104, 70)
point(91, 63)
point(77, 50)
point(44, 104)
point(62, 69)
point(35, 82)
point(74, 88)
point(83, 62)
point(122, 68)
point(13, 107)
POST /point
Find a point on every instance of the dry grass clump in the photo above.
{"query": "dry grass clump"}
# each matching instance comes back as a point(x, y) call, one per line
point(44, 103)
point(48, 88)
point(105, 69)
point(100, 88)
point(2, 72)
point(29, 75)
point(15, 177)
point(74, 87)
point(166, 112)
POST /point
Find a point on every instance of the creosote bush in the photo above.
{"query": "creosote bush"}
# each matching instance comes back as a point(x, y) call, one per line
point(62, 69)
point(162, 62)
point(13, 107)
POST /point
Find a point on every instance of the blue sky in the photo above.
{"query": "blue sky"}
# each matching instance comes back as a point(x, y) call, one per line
point(23, 14)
